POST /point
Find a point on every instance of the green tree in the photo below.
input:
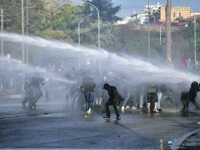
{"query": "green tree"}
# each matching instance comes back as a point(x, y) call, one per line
point(39, 16)
point(12, 15)
point(64, 17)
point(179, 19)
point(106, 9)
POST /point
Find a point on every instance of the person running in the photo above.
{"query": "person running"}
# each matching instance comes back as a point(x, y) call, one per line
point(88, 86)
point(152, 98)
point(114, 99)
point(27, 90)
point(36, 83)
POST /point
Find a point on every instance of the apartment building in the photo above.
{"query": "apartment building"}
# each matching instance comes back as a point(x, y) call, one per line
point(177, 12)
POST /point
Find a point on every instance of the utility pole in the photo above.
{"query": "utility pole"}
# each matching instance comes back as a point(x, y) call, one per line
point(79, 38)
point(168, 28)
point(79, 24)
point(161, 33)
point(22, 7)
point(2, 49)
point(195, 41)
point(98, 15)
point(149, 54)
point(27, 25)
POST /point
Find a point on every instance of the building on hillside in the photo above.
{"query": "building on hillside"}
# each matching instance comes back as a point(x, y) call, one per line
point(125, 21)
point(195, 14)
point(157, 14)
point(177, 12)
point(142, 18)
point(152, 9)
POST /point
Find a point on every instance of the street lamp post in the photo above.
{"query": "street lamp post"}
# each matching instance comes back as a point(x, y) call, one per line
point(22, 7)
point(79, 28)
point(98, 22)
point(27, 24)
point(149, 54)
point(79, 39)
point(161, 32)
point(168, 29)
point(2, 50)
point(195, 45)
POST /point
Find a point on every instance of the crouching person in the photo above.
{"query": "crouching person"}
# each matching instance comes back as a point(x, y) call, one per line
point(28, 91)
point(114, 99)
point(186, 97)
point(36, 83)
point(193, 93)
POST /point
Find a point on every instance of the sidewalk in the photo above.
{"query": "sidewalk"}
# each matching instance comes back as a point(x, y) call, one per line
point(141, 129)
point(9, 94)
point(189, 141)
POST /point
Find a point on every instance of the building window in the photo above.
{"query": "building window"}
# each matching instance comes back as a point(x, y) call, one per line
point(177, 14)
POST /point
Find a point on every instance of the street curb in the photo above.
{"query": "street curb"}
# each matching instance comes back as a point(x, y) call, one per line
point(11, 96)
point(177, 142)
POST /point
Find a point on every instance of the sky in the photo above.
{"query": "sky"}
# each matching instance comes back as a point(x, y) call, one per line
point(130, 7)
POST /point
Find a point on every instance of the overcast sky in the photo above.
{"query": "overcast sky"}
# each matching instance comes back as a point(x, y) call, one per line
point(129, 7)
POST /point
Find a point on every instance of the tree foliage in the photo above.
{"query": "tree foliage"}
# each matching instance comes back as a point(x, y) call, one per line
point(12, 14)
point(64, 17)
point(106, 9)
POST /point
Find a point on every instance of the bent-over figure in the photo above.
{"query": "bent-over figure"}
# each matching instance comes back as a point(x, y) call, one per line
point(186, 97)
point(114, 99)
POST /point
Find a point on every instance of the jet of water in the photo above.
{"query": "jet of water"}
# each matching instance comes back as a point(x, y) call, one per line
point(124, 72)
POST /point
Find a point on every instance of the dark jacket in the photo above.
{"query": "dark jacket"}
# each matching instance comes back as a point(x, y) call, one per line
point(193, 90)
point(115, 97)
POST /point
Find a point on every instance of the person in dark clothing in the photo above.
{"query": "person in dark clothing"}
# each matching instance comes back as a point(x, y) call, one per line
point(88, 86)
point(152, 98)
point(186, 97)
point(114, 99)
point(28, 91)
point(36, 83)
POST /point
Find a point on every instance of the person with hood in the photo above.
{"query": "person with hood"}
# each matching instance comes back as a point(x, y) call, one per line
point(186, 97)
point(114, 99)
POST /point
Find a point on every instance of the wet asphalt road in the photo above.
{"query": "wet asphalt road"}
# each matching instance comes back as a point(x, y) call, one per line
point(55, 125)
